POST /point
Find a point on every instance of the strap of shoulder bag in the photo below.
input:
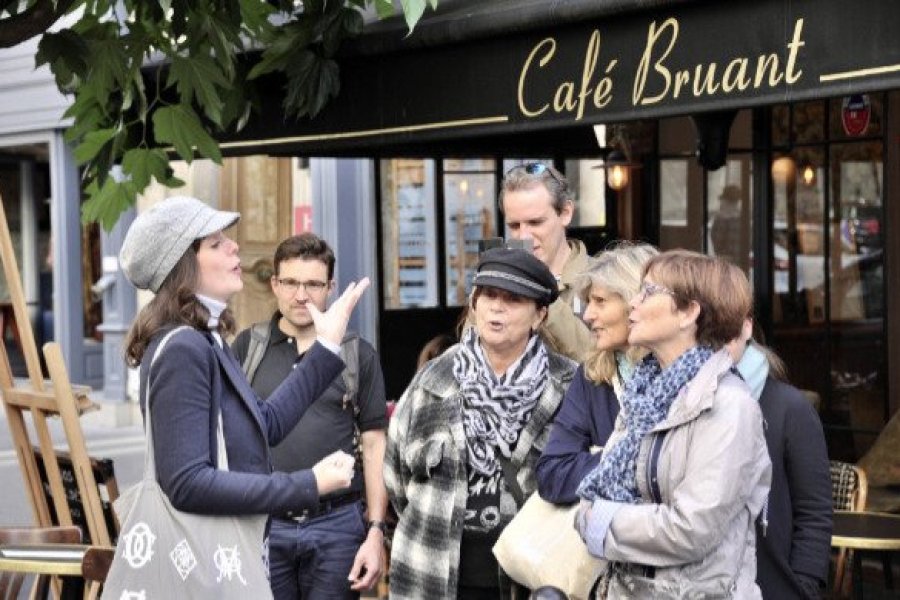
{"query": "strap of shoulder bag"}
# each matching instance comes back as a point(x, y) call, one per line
point(512, 483)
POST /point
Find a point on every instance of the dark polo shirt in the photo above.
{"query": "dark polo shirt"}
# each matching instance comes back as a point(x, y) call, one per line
point(327, 425)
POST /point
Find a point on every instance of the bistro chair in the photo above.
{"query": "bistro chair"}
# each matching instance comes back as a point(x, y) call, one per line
point(11, 583)
point(849, 488)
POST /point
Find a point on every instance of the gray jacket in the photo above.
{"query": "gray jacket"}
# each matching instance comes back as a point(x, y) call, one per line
point(695, 527)
point(425, 473)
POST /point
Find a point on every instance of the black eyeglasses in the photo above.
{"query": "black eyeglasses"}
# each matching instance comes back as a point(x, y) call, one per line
point(310, 287)
point(537, 169)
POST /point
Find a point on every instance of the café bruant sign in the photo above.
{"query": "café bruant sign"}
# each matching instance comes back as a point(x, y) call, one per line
point(657, 77)
point(691, 58)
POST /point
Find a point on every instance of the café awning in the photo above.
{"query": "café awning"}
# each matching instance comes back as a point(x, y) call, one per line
point(498, 73)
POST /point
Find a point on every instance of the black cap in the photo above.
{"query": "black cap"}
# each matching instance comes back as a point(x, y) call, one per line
point(518, 272)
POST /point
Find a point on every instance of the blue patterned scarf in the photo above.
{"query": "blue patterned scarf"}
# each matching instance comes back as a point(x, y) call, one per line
point(648, 396)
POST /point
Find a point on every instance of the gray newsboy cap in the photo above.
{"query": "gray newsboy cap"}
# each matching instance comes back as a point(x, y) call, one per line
point(160, 236)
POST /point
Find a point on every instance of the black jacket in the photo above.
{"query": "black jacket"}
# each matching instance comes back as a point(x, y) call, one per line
point(796, 543)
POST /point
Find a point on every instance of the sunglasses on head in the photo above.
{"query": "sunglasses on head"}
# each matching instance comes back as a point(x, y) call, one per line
point(537, 169)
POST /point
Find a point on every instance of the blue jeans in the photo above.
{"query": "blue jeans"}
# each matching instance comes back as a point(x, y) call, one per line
point(312, 560)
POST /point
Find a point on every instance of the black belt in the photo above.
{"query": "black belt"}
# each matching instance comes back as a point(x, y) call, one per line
point(324, 507)
point(638, 570)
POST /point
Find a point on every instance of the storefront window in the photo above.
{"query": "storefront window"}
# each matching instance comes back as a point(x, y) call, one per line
point(587, 179)
point(857, 268)
point(798, 251)
point(828, 277)
point(469, 199)
point(729, 211)
point(408, 223)
point(681, 221)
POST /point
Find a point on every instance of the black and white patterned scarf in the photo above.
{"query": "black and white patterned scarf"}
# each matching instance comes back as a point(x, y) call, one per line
point(496, 409)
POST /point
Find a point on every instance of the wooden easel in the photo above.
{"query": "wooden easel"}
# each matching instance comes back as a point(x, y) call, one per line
point(43, 400)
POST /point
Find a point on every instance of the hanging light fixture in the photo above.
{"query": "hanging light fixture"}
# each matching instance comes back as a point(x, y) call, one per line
point(618, 163)
point(618, 170)
point(808, 174)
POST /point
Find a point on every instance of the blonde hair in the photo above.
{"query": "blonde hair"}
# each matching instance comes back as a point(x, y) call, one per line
point(618, 270)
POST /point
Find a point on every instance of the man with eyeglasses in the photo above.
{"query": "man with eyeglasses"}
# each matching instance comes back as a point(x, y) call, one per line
point(331, 551)
point(537, 205)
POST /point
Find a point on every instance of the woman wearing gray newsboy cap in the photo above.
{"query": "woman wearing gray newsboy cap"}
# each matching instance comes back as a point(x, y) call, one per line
point(178, 250)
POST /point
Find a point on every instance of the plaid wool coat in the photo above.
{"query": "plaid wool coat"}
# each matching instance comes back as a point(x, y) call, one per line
point(425, 473)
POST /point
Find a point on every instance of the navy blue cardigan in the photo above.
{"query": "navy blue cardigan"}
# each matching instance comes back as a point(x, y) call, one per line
point(797, 541)
point(190, 382)
point(586, 418)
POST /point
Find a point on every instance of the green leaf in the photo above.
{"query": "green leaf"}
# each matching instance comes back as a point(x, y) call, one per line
point(109, 65)
point(107, 202)
point(87, 113)
point(384, 8)
point(66, 52)
point(284, 45)
point(255, 14)
point(143, 164)
point(312, 81)
point(92, 144)
point(353, 22)
point(180, 126)
point(412, 11)
point(198, 77)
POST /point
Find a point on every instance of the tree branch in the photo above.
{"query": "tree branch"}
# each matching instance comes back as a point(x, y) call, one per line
point(31, 22)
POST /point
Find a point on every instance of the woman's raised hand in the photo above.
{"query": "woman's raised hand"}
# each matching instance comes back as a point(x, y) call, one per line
point(332, 323)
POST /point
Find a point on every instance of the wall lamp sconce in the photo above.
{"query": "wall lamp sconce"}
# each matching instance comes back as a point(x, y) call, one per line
point(618, 170)
point(617, 163)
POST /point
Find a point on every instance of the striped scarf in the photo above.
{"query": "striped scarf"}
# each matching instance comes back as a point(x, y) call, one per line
point(646, 402)
point(496, 409)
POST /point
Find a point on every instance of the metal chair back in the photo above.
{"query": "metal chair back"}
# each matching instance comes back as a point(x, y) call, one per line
point(849, 489)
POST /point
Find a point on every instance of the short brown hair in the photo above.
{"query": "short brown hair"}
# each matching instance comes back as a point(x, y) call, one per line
point(307, 246)
point(719, 288)
point(519, 178)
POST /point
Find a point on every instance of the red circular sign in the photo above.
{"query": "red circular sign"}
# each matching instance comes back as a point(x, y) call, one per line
point(855, 114)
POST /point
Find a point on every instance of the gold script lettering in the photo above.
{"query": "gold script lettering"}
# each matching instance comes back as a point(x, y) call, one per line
point(735, 76)
point(707, 85)
point(590, 61)
point(564, 99)
point(543, 62)
point(640, 80)
point(794, 47)
point(708, 79)
point(603, 93)
point(769, 62)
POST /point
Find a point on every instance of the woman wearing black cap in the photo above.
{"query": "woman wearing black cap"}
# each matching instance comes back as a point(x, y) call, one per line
point(467, 432)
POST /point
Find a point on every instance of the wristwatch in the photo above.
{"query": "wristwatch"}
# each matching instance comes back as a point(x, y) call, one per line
point(379, 525)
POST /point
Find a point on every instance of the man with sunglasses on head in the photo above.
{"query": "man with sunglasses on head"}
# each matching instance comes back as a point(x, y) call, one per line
point(330, 551)
point(537, 205)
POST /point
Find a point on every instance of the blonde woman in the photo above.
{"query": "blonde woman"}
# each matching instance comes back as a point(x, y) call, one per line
point(589, 409)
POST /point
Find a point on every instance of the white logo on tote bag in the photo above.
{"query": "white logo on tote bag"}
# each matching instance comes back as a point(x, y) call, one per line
point(183, 558)
point(137, 545)
point(228, 562)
